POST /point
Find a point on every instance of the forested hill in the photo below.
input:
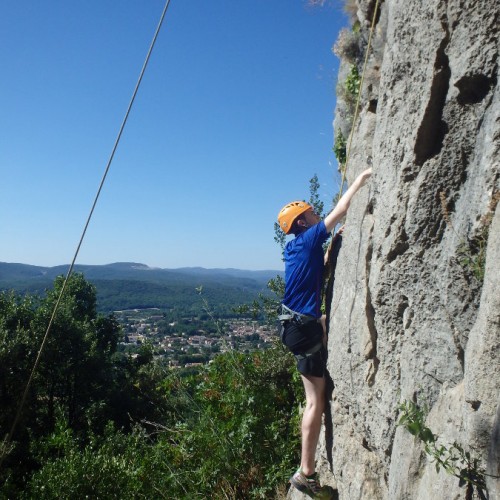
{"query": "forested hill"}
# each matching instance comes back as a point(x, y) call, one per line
point(132, 285)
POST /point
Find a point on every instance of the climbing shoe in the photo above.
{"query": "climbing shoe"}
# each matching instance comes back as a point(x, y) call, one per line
point(310, 485)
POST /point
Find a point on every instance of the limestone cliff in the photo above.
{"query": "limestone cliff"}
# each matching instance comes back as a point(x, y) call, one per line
point(416, 309)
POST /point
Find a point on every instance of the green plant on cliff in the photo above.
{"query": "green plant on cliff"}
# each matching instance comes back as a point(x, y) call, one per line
point(454, 459)
point(340, 149)
point(347, 94)
point(353, 81)
point(472, 253)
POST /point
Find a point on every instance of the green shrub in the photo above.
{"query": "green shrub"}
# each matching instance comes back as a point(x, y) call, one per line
point(353, 82)
point(110, 466)
point(453, 459)
point(235, 435)
point(340, 149)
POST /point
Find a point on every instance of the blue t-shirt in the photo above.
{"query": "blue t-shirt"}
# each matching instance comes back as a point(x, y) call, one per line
point(304, 262)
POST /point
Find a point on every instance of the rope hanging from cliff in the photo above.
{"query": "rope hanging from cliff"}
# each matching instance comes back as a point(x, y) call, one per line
point(328, 291)
point(329, 287)
point(356, 113)
point(358, 99)
point(8, 439)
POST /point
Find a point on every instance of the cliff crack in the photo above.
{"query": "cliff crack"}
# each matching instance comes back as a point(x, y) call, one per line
point(370, 321)
point(400, 247)
point(433, 128)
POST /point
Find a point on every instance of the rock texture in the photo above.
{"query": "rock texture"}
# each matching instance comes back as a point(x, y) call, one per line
point(412, 317)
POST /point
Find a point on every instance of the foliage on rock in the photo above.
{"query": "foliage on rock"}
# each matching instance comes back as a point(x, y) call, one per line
point(453, 459)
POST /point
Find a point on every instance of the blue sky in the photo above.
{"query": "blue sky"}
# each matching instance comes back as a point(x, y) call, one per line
point(233, 117)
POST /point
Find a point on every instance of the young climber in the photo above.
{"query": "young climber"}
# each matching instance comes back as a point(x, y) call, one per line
point(302, 329)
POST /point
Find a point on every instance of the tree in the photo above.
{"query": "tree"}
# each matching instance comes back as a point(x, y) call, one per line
point(74, 368)
point(17, 356)
point(74, 365)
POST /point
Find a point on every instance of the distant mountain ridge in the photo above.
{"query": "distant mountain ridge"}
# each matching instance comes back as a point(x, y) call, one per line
point(132, 284)
point(127, 270)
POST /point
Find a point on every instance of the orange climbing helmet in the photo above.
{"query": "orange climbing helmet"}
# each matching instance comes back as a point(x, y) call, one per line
point(290, 212)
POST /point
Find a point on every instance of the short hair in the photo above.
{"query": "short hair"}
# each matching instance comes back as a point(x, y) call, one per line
point(296, 229)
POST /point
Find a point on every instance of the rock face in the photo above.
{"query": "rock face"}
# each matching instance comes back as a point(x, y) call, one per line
point(416, 309)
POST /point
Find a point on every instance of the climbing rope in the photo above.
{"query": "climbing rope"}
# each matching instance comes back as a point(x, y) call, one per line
point(8, 439)
point(356, 112)
point(329, 288)
point(358, 99)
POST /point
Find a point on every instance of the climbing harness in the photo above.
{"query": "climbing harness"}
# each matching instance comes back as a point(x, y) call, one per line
point(8, 438)
point(285, 315)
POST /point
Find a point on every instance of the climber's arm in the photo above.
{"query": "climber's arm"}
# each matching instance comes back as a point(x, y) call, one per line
point(340, 209)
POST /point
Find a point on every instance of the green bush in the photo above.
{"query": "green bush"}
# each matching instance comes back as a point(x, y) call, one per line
point(244, 438)
point(340, 149)
point(235, 435)
point(453, 459)
point(353, 82)
point(110, 466)
point(98, 424)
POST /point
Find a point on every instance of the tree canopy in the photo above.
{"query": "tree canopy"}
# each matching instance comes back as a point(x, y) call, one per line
point(98, 422)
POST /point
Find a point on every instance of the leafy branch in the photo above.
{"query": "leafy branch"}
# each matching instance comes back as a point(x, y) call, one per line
point(455, 460)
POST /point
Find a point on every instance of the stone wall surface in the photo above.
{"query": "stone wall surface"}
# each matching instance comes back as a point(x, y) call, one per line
point(411, 318)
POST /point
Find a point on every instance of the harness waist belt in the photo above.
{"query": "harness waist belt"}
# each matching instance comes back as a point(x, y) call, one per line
point(288, 315)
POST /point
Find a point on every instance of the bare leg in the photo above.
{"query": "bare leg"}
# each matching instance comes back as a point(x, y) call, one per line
point(311, 420)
